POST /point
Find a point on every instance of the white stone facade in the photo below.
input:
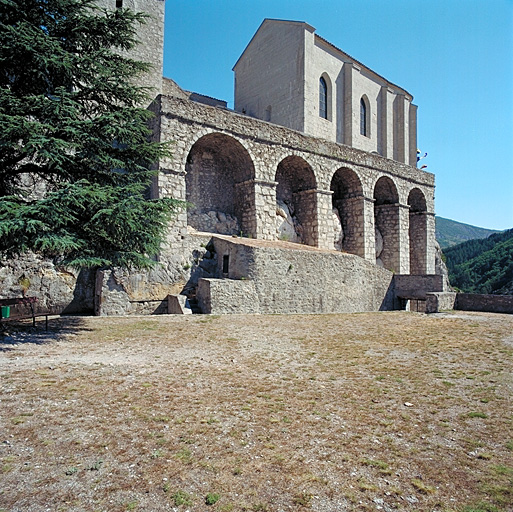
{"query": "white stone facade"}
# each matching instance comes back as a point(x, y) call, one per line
point(277, 79)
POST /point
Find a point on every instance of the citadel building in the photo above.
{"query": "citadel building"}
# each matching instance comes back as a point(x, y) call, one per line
point(305, 198)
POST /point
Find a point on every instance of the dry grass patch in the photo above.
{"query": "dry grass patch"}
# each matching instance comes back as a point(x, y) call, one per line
point(329, 412)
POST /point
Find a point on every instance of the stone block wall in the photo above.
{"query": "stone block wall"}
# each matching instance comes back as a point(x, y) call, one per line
point(488, 303)
point(264, 158)
point(417, 286)
point(295, 280)
point(227, 296)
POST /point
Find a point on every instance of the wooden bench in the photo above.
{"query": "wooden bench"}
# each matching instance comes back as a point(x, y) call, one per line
point(23, 308)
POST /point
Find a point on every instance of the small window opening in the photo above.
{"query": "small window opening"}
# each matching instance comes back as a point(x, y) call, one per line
point(226, 263)
point(323, 98)
point(363, 118)
point(268, 112)
point(119, 4)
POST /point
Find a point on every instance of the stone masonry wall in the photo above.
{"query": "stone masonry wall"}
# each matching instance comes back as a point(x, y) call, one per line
point(305, 280)
point(480, 302)
point(187, 124)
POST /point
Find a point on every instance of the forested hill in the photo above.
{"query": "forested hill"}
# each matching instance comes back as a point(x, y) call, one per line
point(449, 232)
point(482, 266)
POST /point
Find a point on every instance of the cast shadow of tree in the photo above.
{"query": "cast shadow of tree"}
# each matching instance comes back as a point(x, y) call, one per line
point(22, 332)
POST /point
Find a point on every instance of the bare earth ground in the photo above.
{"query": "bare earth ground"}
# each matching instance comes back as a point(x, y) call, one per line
point(374, 411)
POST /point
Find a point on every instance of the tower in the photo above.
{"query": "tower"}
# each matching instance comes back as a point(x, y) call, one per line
point(151, 38)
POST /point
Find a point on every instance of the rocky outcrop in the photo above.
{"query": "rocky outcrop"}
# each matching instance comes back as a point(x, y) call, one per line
point(56, 288)
point(214, 222)
point(441, 267)
point(286, 223)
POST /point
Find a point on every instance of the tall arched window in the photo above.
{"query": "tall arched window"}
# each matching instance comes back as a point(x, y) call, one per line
point(323, 98)
point(363, 118)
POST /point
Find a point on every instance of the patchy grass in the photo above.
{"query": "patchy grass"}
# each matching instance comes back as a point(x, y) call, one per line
point(328, 412)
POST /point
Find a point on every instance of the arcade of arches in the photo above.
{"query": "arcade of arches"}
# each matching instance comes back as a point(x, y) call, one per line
point(384, 220)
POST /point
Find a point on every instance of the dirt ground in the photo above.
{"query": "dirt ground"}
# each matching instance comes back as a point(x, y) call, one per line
point(372, 411)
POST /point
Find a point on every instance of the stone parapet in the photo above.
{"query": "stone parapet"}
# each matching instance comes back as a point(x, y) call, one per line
point(227, 296)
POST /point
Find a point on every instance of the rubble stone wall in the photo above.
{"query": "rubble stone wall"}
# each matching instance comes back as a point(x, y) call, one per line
point(304, 281)
point(261, 149)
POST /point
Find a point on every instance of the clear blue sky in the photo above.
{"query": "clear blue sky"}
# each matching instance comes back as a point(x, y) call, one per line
point(454, 56)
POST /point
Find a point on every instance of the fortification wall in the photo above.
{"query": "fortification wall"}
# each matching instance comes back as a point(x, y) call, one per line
point(294, 280)
point(248, 163)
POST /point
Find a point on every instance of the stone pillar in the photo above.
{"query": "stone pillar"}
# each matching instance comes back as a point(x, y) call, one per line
point(431, 242)
point(388, 223)
point(399, 129)
point(418, 243)
point(383, 121)
point(348, 104)
point(245, 207)
point(404, 239)
point(171, 183)
point(369, 235)
point(324, 227)
point(353, 224)
point(305, 203)
point(413, 135)
point(265, 203)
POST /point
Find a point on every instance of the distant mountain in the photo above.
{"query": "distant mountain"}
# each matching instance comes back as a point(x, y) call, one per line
point(484, 265)
point(449, 232)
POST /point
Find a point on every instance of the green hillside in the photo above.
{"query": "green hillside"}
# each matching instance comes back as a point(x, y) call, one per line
point(449, 232)
point(483, 266)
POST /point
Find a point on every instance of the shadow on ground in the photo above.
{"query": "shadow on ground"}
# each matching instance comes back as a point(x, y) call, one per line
point(22, 332)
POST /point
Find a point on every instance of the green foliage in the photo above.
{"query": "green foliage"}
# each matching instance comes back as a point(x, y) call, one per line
point(211, 498)
point(449, 232)
point(182, 498)
point(482, 266)
point(75, 152)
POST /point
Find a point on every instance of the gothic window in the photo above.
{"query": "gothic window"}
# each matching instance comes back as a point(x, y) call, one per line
point(119, 4)
point(323, 98)
point(364, 118)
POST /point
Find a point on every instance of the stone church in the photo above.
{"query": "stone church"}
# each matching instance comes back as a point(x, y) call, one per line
point(306, 198)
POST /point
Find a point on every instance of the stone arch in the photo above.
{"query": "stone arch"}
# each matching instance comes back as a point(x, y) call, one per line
point(386, 223)
point(417, 232)
point(348, 211)
point(296, 201)
point(219, 185)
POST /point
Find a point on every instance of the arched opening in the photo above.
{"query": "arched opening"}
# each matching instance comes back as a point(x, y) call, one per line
point(325, 97)
point(364, 116)
point(386, 224)
point(219, 186)
point(417, 232)
point(296, 201)
point(348, 212)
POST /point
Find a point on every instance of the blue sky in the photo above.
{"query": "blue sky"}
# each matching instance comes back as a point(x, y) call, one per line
point(454, 56)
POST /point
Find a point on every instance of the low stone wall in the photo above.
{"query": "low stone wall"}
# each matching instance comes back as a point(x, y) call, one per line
point(436, 302)
point(298, 279)
point(227, 296)
point(440, 301)
point(416, 286)
point(485, 303)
